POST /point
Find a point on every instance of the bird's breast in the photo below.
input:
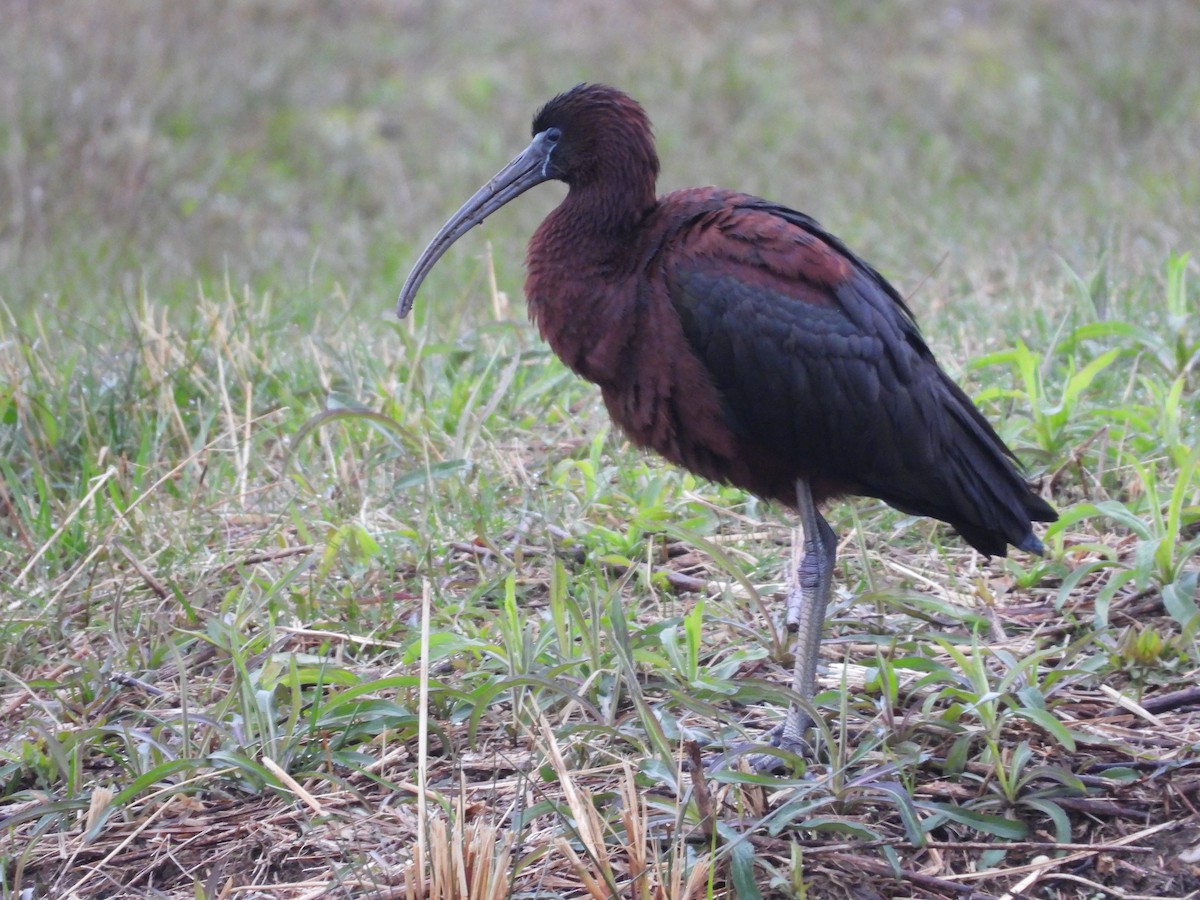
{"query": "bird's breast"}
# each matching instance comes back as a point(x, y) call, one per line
point(624, 335)
point(588, 328)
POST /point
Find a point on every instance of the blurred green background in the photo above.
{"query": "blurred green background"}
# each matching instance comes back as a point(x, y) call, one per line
point(296, 144)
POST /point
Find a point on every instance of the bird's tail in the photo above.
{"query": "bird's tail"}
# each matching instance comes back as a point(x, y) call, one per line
point(970, 480)
point(994, 505)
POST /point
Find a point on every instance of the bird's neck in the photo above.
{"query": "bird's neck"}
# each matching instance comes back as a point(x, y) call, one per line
point(591, 232)
point(578, 265)
point(606, 210)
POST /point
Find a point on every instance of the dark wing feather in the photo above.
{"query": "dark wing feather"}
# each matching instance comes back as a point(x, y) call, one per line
point(824, 374)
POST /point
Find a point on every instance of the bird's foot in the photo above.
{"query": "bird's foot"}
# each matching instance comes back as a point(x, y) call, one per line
point(784, 743)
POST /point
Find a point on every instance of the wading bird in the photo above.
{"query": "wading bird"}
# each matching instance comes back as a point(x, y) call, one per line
point(742, 341)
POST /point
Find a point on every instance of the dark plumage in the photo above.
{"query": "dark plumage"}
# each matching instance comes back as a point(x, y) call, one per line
point(741, 340)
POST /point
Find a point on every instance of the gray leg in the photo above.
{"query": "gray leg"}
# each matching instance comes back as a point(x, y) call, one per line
point(806, 604)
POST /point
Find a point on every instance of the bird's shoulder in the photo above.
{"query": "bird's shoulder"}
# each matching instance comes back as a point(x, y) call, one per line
point(727, 256)
point(776, 307)
point(707, 227)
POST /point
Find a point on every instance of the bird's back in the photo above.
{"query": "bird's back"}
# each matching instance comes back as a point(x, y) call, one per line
point(822, 373)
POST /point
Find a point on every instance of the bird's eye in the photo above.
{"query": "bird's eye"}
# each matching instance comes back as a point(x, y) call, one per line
point(552, 135)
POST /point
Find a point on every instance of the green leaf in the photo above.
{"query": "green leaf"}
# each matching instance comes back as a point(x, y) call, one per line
point(153, 778)
point(741, 871)
point(990, 859)
point(1082, 380)
point(1177, 265)
point(443, 644)
point(913, 827)
point(997, 826)
point(1179, 600)
point(1055, 813)
point(484, 697)
point(693, 624)
point(1046, 720)
point(54, 808)
point(660, 774)
point(836, 825)
point(1103, 599)
point(1067, 779)
point(668, 637)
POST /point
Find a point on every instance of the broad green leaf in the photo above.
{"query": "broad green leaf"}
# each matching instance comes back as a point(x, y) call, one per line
point(1046, 720)
point(998, 826)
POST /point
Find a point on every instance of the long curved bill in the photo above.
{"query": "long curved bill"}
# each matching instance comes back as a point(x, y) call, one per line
point(528, 169)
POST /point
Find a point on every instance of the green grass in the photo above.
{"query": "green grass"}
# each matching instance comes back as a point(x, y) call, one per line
point(302, 598)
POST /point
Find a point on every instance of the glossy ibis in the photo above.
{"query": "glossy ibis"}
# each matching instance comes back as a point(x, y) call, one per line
point(744, 342)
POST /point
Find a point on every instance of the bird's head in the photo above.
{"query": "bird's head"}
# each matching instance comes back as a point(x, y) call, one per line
point(590, 136)
point(593, 132)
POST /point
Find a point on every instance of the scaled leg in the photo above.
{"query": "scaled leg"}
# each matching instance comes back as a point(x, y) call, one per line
point(806, 604)
point(807, 601)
